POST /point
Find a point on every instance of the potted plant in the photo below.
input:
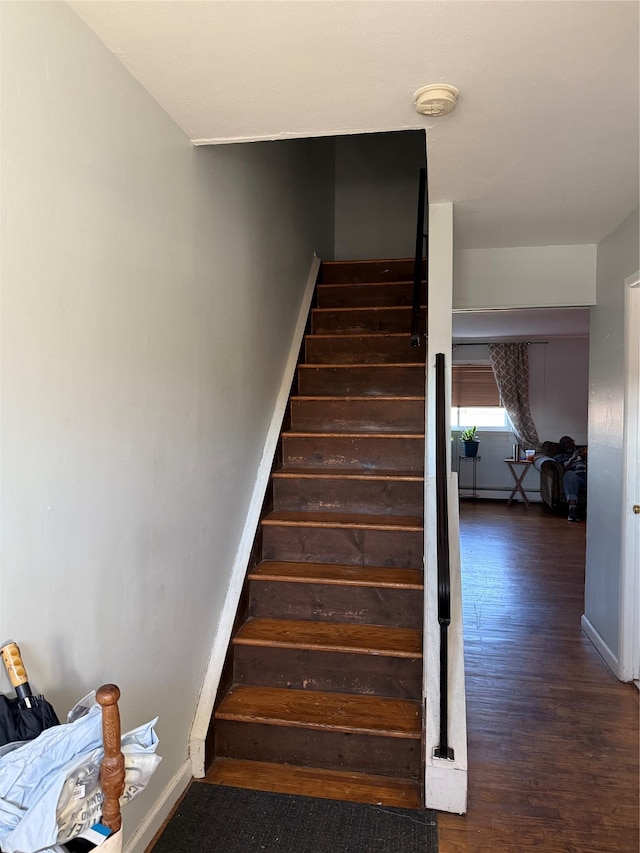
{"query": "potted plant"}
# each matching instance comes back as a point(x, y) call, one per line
point(469, 441)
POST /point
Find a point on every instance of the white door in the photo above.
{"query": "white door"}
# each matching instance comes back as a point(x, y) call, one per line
point(629, 638)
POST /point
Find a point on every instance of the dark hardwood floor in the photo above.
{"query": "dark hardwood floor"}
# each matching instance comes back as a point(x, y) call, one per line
point(553, 736)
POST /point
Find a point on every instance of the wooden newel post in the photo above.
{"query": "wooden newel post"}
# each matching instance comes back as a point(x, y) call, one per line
point(112, 771)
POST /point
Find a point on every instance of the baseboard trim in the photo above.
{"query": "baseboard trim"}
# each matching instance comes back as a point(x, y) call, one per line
point(601, 647)
point(218, 653)
point(146, 831)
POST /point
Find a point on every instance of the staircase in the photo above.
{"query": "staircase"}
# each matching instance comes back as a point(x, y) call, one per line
point(323, 690)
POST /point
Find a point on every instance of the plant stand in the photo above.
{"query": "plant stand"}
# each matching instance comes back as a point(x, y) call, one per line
point(474, 470)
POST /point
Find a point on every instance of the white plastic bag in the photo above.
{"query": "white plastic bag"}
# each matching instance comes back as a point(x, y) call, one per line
point(30, 774)
point(49, 787)
point(80, 801)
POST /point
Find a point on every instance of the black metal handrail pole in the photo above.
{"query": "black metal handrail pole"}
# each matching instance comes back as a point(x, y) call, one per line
point(417, 267)
point(443, 750)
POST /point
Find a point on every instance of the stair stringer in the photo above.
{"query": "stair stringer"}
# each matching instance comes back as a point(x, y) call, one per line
point(206, 700)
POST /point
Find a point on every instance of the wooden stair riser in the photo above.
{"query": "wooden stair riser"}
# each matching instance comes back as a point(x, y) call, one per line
point(336, 672)
point(393, 269)
point(358, 415)
point(363, 320)
point(392, 497)
point(368, 295)
point(358, 547)
point(367, 381)
point(355, 452)
point(360, 605)
point(362, 349)
point(378, 754)
point(313, 782)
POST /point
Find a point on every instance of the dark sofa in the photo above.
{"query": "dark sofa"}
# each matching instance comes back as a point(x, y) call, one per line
point(551, 489)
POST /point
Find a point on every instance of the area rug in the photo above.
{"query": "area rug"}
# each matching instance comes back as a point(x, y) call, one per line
point(217, 819)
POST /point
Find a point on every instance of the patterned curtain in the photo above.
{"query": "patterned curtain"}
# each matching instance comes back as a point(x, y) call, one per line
point(510, 363)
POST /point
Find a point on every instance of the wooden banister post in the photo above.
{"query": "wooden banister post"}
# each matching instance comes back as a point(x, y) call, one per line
point(112, 770)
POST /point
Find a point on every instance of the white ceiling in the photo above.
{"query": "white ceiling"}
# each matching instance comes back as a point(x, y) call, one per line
point(541, 150)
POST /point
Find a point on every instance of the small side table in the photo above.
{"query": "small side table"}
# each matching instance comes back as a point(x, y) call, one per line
point(518, 476)
point(475, 460)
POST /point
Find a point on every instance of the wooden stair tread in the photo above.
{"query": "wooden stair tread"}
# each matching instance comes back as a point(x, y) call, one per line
point(348, 474)
point(328, 573)
point(377, 335)
point(352, 308)
point(314, 782)
point(381, 398)
point(338, 712)
point(398, 281)
point(391, 365)
point(331, 637)
point(343, 519)
point(324, 434)
point(357, 429)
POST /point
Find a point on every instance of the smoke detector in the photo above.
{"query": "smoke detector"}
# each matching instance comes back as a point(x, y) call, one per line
point(437, 100)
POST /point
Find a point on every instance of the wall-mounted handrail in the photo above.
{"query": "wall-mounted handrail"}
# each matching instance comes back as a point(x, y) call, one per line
point(421, 239)
point(443, 750)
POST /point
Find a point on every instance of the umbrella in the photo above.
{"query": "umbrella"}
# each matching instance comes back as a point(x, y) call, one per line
point(24, 717)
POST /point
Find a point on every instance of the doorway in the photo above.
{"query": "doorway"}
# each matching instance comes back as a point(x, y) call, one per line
point(559, 347)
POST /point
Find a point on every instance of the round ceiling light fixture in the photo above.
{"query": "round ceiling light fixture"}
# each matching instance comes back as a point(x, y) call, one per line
point(437, 100)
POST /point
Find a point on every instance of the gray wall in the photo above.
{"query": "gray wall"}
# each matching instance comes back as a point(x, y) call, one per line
point(617, 259)
point(524, 277)
point(149, 295)
point(376, 186)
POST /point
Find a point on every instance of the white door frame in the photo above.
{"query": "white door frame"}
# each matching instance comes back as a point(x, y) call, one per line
point(629, 622)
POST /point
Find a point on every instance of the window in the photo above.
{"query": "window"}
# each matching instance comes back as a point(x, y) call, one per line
point(473, 385)
point(475, 400)
point(484, 417)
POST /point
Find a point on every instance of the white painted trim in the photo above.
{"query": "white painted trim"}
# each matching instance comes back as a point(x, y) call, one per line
point(145, 832)
point(601, 647)
point(446, 789)
point(629, 607)
point(298, 134)
point(223, 635)
point(445, 781)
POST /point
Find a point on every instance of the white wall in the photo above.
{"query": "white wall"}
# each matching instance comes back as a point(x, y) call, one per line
point(149, 294)
point(558, 396)
point(525, 277)
point(617, 259)
point(376, 186)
